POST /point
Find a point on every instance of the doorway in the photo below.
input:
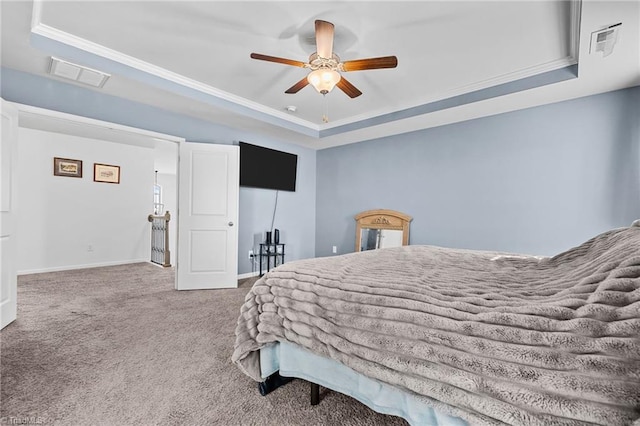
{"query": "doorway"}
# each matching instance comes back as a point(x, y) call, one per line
point(163, 153)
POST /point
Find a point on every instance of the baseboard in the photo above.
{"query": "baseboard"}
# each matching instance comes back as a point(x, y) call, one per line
point(248, 275)
point(89, 265)
point(97, 265)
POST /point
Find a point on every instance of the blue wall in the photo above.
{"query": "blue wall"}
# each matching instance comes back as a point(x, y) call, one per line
point(538, 181)
point(296, 210)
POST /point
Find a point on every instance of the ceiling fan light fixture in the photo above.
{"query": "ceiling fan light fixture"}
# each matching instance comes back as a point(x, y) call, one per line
point(326, 66)
point(324, 79)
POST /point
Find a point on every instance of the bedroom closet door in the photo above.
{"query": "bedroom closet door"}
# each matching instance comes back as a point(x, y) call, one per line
point(8, 155)
point(207, 216)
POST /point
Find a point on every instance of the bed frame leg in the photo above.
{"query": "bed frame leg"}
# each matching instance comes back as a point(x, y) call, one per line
point(272, 383)
point(315, 394)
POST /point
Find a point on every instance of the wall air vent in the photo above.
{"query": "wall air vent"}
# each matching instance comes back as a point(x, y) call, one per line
point(604, 40)
point(77, 73)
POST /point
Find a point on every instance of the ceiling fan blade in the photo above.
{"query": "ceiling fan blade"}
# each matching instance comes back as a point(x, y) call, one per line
point(348, 88)
point(278, 60)
point(324, 39)
point(370, 64)
point(298, 86)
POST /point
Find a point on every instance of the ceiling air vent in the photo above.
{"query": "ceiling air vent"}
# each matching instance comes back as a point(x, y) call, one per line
point(77, 73)
point(604, 40)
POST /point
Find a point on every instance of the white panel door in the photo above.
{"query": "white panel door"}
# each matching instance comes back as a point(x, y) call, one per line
point(207, 216)
point(390, 238)
point(8, 155)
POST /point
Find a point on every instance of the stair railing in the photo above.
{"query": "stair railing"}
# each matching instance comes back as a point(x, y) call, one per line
point(160, 239)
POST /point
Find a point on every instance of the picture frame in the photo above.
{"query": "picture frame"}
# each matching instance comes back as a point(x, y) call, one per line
point(67, 167)
point(106, 173)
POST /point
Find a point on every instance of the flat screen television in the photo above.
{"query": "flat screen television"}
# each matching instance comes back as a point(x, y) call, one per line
point(262, 167)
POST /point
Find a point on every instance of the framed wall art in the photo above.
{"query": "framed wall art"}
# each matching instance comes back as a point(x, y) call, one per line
point(106, 173)
point(67, 167)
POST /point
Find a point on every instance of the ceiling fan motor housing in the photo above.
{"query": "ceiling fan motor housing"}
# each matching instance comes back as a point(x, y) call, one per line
point(317, 62)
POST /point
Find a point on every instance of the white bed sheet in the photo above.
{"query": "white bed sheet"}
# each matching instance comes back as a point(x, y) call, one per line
point(294, 361)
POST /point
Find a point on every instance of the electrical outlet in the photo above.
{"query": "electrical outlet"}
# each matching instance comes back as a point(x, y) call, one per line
point(250, 254)
point(335, 249)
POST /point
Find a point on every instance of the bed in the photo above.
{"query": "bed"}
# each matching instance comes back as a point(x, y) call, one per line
point(449, 336)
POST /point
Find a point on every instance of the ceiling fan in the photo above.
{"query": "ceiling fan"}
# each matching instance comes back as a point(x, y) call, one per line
point(326, 66)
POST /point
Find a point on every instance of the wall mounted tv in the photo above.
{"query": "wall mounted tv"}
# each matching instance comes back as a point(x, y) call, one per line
point(262, 167)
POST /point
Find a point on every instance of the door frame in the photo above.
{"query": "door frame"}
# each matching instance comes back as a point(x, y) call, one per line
point(8, 269)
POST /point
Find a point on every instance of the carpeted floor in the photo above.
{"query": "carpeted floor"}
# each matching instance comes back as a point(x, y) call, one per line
point(118, 346)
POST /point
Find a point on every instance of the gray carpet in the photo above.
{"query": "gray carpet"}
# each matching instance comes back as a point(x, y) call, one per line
point(118, 346)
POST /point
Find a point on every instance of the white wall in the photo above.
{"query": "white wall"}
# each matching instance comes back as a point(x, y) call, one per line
point(60, 217)
point(169, 197)
point(166, 166)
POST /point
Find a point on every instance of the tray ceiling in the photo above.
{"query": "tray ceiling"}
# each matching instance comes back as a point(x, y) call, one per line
point(193, 58)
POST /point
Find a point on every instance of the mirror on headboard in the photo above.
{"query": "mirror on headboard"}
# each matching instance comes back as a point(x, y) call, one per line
point(381, 228)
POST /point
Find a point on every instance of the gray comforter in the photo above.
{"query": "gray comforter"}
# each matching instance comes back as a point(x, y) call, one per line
point(490, 338)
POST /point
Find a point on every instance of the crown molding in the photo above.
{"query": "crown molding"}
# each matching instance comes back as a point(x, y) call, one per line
point(571, 59)
point(41, 29)
point(462, 90)
point(574, 36)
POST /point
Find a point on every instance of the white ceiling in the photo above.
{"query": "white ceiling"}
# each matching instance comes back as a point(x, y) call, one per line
point(193, 57)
